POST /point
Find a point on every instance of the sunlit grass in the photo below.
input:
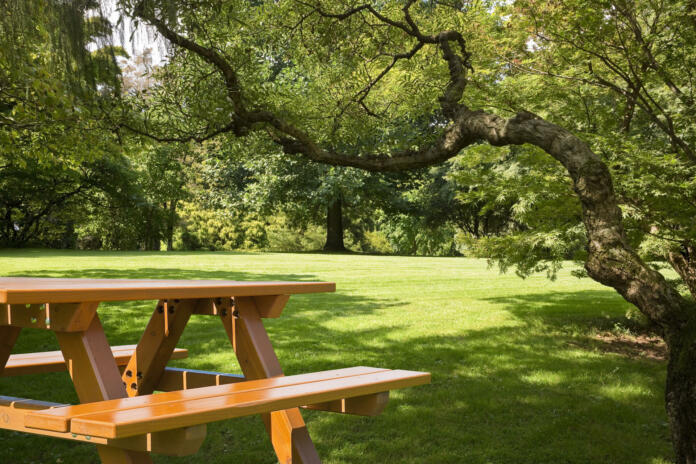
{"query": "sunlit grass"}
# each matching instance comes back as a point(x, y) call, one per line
point(509, 385)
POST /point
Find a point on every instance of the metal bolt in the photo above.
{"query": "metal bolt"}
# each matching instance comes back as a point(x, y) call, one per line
point(129, 374)
point(160, 309)
point(224, 312)
point(171, 309)
point(140, 375)
point(134, 386)
point(235, 314)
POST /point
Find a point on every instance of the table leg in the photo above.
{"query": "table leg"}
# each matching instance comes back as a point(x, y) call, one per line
point(8, 338)
point(155, 348)
point(96, 378)
point(258, 360)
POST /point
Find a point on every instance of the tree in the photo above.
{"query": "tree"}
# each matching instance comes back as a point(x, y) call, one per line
point(360, 72)
point(255, 177)
point(52, 91)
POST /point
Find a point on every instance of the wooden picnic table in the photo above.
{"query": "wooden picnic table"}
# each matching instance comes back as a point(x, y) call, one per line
point(119, 410)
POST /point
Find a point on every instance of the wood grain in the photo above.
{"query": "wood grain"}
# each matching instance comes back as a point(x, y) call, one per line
point(183, 413)
point(258, 360)
point(8, 338)
point(24, 290)
point(52, 361)
point(58, 419)
point(96, 378)
point(156, 346)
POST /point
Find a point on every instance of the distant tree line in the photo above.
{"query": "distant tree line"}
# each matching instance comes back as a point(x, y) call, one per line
point(70, 177)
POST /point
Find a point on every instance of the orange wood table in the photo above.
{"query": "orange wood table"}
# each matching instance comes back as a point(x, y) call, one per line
point(68, 307)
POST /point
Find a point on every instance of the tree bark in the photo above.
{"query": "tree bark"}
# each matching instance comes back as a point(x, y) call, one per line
point(684, 262)
point(680, 392)
point(171, 220)
point(334, 227)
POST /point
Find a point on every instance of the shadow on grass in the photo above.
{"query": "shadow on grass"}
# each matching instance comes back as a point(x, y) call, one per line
point(517, 394)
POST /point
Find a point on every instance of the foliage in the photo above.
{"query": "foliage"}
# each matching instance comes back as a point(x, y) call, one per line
point(53, 144)
point(620, 73)
point(220, 230)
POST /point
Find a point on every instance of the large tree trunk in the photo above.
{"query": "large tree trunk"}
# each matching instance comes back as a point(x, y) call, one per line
point(680, 392)
point(171, 221)
point(334, 227)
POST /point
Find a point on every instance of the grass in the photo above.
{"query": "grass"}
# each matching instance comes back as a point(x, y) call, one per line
point(514, 380)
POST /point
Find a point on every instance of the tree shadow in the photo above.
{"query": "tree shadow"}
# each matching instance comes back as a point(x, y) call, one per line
point(520, 394)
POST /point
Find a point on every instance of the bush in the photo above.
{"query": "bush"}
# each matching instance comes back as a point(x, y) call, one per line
point(219, 230)
point(282, 237)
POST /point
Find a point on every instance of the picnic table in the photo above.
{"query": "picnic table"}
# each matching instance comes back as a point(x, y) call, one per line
point(119, 410)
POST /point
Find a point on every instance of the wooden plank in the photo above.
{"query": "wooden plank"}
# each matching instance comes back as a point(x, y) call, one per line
point(177, 442)
point(368, 405)
point(58, 419)
point(21, 290)
point(155, 348)
point(168, 415)
point(174, 379)
point(271, 306)
point(8, 338)
point(57, 317)
point(52, 361)
point(212, 306)
point(258, 360)
point(96, 378)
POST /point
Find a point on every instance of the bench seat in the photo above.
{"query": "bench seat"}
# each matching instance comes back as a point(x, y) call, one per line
point(53, 361)
point(164, 411)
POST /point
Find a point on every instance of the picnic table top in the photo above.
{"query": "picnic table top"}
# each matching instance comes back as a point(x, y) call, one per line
point(32, 290)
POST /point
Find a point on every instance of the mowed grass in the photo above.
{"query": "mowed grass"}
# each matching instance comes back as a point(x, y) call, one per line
point(512, 382)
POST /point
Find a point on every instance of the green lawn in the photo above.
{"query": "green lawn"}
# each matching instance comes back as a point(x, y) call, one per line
point(515, 379)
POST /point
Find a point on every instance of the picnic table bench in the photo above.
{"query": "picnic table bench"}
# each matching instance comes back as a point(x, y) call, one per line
point(119, 408)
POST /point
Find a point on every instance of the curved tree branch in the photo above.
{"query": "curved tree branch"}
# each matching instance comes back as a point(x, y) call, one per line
point(611, 260)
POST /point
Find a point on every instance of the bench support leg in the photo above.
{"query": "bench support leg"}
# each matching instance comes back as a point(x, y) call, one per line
point(96, 378)
point(258, 360)
point(155, 348)
point(8, 338)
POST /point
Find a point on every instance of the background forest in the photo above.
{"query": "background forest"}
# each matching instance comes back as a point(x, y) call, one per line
point(71, 175)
